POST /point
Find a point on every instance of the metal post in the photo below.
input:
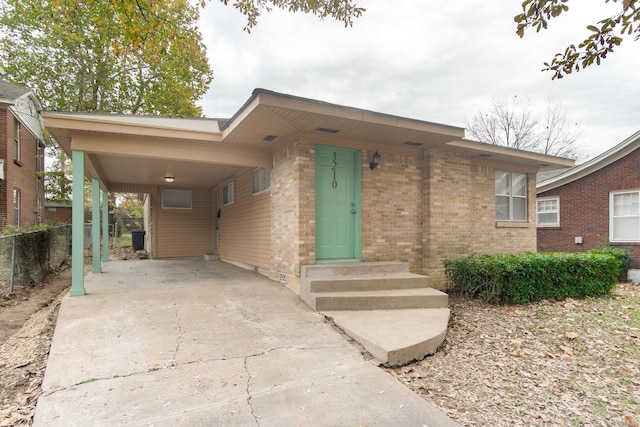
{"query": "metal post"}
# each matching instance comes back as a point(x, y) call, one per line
point(77, 223)
point(13, 262)
point(105, 226)
point(95, 225)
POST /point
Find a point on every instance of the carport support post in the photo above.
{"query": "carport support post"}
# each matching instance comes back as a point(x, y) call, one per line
point(95, 224)
point(105, 226)
point(77, 225)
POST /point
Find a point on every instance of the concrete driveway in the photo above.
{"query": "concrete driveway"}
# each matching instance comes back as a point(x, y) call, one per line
point(204, 343)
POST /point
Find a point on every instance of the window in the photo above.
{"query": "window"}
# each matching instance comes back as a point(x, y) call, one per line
point(229, 193)
point(40, 160)
point(16, 206)
point(548, 212)
point(176, 199)
point(16, 140)
point(511, 196)
point(625, 216)
point(261, 180)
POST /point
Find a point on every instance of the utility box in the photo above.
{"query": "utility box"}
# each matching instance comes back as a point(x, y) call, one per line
point(137, 240)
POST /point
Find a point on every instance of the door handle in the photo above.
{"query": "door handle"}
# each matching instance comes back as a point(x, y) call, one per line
point(353, 211)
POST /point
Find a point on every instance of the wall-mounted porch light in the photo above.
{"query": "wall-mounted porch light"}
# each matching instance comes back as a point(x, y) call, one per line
point(169, 178)
point(375, 160)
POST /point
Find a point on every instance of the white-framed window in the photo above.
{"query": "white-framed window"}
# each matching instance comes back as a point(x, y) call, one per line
point(16, 140)
point(511, 196)
point(177, 199)
point(16, 206)
point(261, 180)
point(548, 212)
point(229, 193)
point(624, 221)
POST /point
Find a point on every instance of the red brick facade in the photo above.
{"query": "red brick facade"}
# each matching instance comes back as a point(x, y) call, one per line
point(21, 175)
point(584, 208)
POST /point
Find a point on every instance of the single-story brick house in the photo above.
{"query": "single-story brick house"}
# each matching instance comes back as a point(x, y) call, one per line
point(288, 182)
point(593, 204)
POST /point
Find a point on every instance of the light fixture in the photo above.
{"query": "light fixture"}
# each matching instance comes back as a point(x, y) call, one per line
point(169, 178)
point(375, 160)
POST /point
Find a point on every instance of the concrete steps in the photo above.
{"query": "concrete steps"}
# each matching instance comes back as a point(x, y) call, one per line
point(393, 313)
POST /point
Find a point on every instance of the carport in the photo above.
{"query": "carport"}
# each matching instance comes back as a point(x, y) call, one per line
point(137, 154)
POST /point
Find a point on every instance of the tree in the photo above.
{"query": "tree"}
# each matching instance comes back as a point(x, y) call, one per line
point(513, 123)
point(58, 182)
point(105, 55)
point(342, 10)
point(602, 40)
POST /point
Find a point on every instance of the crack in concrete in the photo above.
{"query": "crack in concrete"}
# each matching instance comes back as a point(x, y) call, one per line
point(180, 331)
point(248, 391)
point(172, 364)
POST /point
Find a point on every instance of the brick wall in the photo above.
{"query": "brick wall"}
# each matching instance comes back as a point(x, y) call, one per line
point(4, 137)
point(391, 209)
point(293, 207)
point(584, 209)
point(21, 175)
point(460, 219)
point(414, 209)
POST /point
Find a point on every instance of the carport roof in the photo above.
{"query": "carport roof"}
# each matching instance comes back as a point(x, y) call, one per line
point(136, 152)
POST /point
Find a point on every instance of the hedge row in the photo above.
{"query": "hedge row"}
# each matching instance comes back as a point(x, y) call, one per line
point(520, 278)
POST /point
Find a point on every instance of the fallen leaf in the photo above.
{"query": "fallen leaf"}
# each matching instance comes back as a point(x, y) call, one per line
point(516, 341)
point(516, 353)
point(567, 350)
point(571, 335)
point(631, 421)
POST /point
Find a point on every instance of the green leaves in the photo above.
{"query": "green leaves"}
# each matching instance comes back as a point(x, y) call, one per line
point(521, 278)
point(132, 56)
point(594, 48)
point(341, 10)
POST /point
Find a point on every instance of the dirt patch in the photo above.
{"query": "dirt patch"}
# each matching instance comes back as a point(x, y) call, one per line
point(568, 363)
point(27, 322)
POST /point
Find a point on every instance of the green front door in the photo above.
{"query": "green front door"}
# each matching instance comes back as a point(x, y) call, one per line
point(337, 204)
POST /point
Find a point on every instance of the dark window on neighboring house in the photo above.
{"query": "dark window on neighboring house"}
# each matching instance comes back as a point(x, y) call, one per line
point(16, 206)
point(511, 196)
point(625, 216)
point(16, 140)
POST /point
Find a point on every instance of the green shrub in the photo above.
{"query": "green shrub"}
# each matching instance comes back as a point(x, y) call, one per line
point(520, 278)
point(621, 255)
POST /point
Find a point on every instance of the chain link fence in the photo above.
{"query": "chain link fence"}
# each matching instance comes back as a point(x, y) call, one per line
point(27, 258)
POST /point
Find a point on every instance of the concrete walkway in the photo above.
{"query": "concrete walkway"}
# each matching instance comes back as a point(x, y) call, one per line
point(204, 343)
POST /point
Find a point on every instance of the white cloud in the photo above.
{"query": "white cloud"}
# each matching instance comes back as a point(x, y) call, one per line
point(439, 62)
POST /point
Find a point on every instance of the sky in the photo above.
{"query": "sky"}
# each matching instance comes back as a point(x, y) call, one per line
point(440, 62)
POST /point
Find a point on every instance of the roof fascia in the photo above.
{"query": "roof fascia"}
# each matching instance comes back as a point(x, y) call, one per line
point(275, 99)
point(85, 122)
point(603, 160)
point(542, 160)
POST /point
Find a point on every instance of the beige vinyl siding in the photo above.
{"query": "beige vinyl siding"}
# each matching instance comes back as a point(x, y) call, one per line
point(185, 232)
point(245, 225)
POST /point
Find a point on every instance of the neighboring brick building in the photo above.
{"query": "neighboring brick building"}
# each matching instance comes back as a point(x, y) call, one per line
point(22, 157)
point(594, 204)
point(288, 182)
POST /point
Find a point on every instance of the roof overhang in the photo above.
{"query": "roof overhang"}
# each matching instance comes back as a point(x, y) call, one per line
point(612, 155)
point(497, 153)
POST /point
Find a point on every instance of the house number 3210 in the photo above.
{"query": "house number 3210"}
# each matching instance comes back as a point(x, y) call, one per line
point(334, 167)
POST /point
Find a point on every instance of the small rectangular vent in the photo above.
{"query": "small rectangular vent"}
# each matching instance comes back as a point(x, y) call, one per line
point(282, 277)
point(327, 130)
point(413, 144)
point(269, 137)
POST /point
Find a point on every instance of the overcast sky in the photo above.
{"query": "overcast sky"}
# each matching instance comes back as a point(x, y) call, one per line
point(435, 61)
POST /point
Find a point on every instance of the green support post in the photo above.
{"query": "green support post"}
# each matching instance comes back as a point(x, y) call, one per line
point(105, 226)
point(77, 225)
point(95, 225)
